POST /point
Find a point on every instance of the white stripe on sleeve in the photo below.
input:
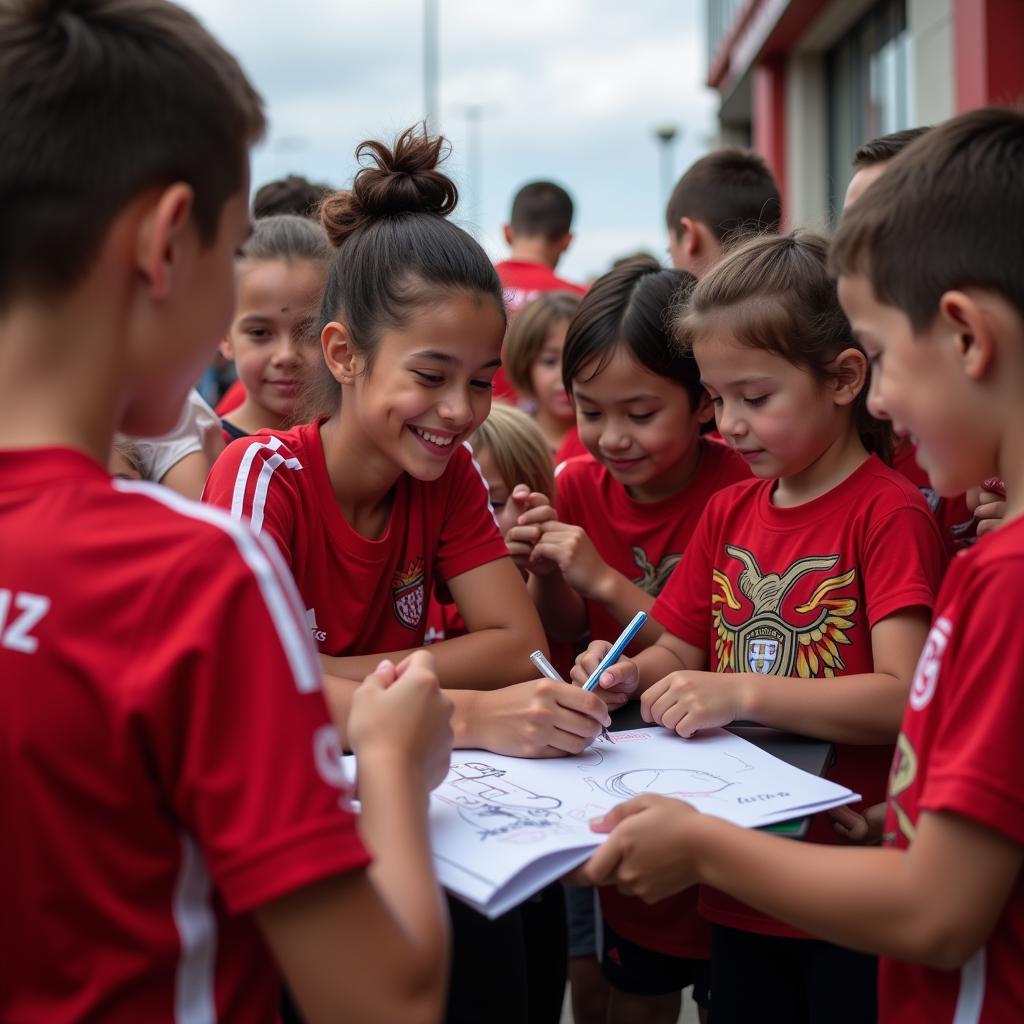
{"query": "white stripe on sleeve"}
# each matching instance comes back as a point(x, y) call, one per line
point(267, 467)
point(276, 584)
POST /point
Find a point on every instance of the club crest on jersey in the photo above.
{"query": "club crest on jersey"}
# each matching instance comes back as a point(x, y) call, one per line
point(773, 638)
point(407, 594)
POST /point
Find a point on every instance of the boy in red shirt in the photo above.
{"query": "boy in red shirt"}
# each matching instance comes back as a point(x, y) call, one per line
point(538, 233)
point(174, 816)
point(931, 282)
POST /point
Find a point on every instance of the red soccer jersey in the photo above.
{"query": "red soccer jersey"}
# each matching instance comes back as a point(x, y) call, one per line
point(522, 281)
point(361, 596)
point(954, 519)
point(643, 541)
point(165, 753)
point(796, 592)
point(959, 752)
point(231, 399)
point(570, 447)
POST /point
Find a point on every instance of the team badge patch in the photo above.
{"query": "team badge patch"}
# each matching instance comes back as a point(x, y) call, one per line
point(762, 654)
point(407, 594)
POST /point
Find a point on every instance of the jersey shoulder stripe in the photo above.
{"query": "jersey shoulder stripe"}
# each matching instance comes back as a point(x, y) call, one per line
point(261, 460)
point(264, 561)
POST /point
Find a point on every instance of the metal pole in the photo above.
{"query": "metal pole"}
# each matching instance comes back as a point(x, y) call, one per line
point(666, 135)
point(474, 115)
point(431, 47)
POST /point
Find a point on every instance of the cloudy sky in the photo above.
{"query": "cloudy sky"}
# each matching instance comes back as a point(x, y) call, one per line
point(572, 90)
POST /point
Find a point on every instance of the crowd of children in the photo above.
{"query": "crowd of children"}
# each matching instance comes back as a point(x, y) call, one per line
point(800, 456)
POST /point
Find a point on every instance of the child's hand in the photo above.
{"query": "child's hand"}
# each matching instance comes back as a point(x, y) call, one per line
point(573, 552)
point(863, 829)
point(646, 853)
point(988, 505)
point(619, 680)
point(542, 718)
point(522, 537)
point(400, 713)
point(686, 702)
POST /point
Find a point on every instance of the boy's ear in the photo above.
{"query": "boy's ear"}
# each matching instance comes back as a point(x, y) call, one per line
point(340, 354)
point(963, 317)
point(159, 238)
point(509, 234)
point(226, 349)
point(848, 375)
point(689, 236)
point(564, 242)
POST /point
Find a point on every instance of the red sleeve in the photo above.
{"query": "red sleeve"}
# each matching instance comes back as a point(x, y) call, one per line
point(565, 493)
point(238, 725)
point(231, 399)
point(254, 480)
point(976, 762)
point(684, 605)
point(903, 561)
point(469, 534)
point(570, 447)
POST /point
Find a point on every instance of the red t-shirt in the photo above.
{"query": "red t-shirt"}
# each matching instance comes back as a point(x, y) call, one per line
point(231, 399)
point(954, 518)
point(522, 281)
point(165, 753)
point(643, 541)
point(796, 592)
point(570, 447)
point(361, 596)
point(960, 752)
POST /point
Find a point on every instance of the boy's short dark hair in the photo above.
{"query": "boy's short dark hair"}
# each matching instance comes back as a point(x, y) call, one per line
point(292, 194)
point(946, 214)
point(99, 101)
point(731, 191)
point(885, 147)
point(542, 209)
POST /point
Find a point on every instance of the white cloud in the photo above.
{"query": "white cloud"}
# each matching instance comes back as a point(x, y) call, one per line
point(575, 88)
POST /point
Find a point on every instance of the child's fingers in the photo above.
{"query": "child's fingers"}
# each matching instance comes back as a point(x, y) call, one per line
point(650, 696)
point(601, 868)
point(418, 662)
point(607, 822)
point(621, 677)
point(523, 535)
point(537, 514)
point(382, 676)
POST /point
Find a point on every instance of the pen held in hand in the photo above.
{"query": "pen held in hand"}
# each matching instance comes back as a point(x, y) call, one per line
point(617, 649)
point(545, 668)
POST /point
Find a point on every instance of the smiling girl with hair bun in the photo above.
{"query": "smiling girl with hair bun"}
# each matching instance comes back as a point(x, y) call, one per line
point(377, 500)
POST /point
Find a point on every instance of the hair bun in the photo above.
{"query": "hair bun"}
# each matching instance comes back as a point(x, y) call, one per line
point(404, 179)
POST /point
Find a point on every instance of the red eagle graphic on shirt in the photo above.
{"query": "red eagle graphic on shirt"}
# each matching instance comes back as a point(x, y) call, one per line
point(407, 594)
point(765, 641)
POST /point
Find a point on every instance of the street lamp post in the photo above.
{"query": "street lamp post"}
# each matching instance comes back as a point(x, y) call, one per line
point(666, 134)
point(430, 64)
point(475, 113)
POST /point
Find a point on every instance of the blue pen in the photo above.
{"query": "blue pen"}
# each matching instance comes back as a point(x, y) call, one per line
point(617, 648)
point(547, 669)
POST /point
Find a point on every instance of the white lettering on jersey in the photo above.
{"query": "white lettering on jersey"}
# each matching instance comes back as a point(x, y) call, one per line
point(16, 635)
point(926, 675)
point(318, 634)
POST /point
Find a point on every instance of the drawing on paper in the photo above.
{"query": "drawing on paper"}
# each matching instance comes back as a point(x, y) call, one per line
point(676, 782)
point(493, 806)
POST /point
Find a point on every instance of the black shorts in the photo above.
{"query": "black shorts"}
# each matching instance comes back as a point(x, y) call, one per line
point(776, 980)
point(646, 972)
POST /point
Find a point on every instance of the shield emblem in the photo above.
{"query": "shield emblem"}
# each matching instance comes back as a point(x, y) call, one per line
point(762, 653)
point(409, 604)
